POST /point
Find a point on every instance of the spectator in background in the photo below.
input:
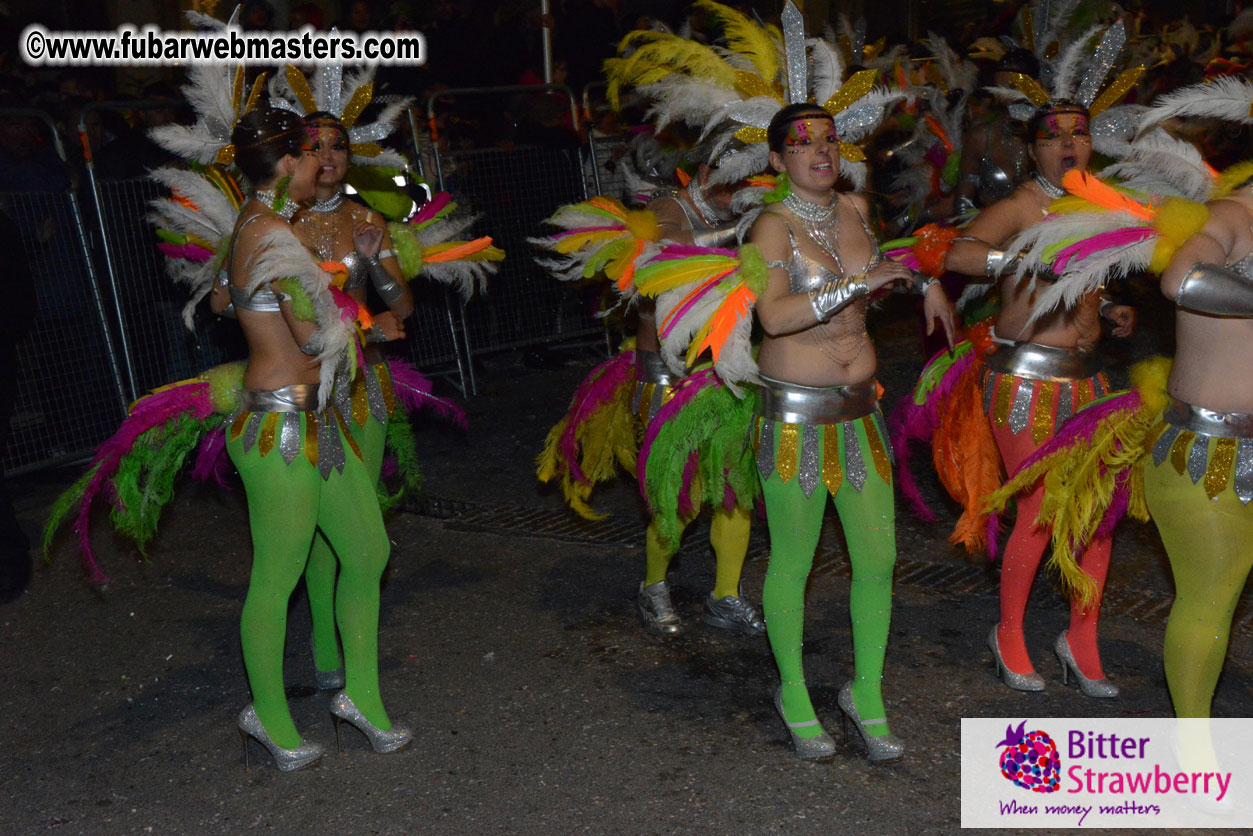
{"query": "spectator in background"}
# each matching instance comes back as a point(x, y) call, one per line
point(132, 153)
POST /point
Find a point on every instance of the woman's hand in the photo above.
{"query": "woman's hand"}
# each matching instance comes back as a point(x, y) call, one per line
point(1123, 318)
point(393, 327)
point(367, 238)
point(888, 272)
point(936, 307)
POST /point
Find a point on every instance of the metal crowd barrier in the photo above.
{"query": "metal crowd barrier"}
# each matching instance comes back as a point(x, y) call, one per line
point(156, 346)
point(70, 389)
point(515, 189)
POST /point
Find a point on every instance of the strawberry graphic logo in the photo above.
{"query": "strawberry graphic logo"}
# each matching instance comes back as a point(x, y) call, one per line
point(1030, 759)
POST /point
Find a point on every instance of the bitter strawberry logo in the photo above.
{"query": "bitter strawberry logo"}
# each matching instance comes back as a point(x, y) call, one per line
point(1030, 759)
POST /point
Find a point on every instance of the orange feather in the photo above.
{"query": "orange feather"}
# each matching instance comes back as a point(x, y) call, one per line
point(1091, 189)
point(457, 250)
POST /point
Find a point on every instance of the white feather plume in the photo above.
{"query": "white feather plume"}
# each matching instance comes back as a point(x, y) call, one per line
point(1225, 97)
point(827, 69)
point(1066, 68)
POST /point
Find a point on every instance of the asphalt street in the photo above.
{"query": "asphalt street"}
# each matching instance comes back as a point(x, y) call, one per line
point(511, 646)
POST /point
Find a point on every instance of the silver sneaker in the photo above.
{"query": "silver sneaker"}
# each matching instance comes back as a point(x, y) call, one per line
point(733, 613)
point(656, 611)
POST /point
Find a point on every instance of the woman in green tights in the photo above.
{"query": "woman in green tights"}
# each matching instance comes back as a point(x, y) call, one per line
point(819, 430)
point(302, 471)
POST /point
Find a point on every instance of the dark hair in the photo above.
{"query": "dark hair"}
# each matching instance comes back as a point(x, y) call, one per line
point(322, 116)
point(262, 137)
point(1018, 60)
point(1058, 106)
point(777, 131)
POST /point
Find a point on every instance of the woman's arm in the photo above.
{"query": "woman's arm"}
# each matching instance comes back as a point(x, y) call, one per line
point(370, 238)
point(994, 226)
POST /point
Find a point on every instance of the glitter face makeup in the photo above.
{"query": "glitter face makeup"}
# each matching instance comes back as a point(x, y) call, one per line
point(801, 133)
point(1064, 124)
point(327, 138)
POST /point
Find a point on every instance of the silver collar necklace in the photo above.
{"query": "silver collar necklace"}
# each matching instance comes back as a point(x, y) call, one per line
point(809, 211)
point(330, 204)
point(268, 197)
point(1053, 192)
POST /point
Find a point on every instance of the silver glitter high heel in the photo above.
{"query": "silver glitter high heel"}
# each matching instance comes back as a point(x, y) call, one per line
point(327, 680)
point(885, 749)
point(382, 740)
point(818, 748)
point(1018, 681)
point(1101, 689)
point(287, 760)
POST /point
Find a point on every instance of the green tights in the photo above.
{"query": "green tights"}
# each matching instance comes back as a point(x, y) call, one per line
point(869, 521)
point(320, 572)
point(287, 503)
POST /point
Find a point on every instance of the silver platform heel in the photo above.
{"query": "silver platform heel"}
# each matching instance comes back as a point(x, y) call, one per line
point(817, 748)
point(885, 749)
point(382, 740)
point(1101, 689)
point(287, 760)
point(1018, 681)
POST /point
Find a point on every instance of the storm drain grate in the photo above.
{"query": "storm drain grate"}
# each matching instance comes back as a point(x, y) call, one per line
point(952, 578)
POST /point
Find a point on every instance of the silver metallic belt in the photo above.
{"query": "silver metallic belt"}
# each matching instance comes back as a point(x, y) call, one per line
point(1044, 362)
point(299, 397)
point(650, 368)
point(795, 404)
point(1204, 421)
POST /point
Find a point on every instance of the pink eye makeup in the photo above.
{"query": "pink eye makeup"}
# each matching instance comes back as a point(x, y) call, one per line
point(801, 132)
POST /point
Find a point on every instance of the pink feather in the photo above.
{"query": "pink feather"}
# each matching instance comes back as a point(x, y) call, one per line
point(682, 310)
point(597, 391)
point(190, 252)
point(146, 413)
point(414, 391)
point(431, 208)
point(1104, 241)
point(211, 459)
point(687, 507)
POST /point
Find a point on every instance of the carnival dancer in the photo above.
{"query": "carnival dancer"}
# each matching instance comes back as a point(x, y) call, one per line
point(343, 231)
point(1044, 370)
point(819, 422)
point(697, 215)
point(293, 489)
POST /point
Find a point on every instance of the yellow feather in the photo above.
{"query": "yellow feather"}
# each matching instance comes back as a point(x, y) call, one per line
point(657, 279)
point(579, 240)
point(658, 55)
point(745, 36)
point(1231, 178)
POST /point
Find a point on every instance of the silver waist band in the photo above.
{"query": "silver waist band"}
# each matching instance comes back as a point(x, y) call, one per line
point(782, 401)
point(299, 397)
point(1204, 421)
point(650, 368)
point(1044, 362)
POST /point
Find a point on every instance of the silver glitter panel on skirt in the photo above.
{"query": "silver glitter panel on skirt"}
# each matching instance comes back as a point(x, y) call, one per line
point(1065, 402)
point(1244, 470)
point(810, 471)
point(989, 389)
point(1161, 449)
point(654, 405)
point(331, 454)
point(854, 464)
point(765, 450)
point(374, 396)
point(1020, 412)
point(883, 434)
point(1098, 387)
point(1198, 457)
point(289, 436)
point(251, 429)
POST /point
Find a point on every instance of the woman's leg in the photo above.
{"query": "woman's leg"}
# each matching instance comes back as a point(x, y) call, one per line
point(283, 505)
point(728, 534)
point(1082, 636)
point(1021, 559)
point(321, 569)
point(868, 518)
point(1208, 543)
point(795, 522)
point(350, 518)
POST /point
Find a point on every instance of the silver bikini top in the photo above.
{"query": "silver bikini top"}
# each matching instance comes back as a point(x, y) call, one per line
point(261, 300)
point(805, 274)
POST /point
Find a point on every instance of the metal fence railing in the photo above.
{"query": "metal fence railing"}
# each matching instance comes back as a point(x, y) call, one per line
point(515, 188)
point(70, 390)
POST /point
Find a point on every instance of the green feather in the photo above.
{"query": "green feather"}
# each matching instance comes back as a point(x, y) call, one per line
point(225, 382)
point(408, 249)
point(301, 304)
point(64, 506)
point(400, 443)
point(753, 271)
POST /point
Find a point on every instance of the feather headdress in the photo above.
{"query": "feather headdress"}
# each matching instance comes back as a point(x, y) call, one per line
point(732, 92)
point(219, 98)
point(345, 97)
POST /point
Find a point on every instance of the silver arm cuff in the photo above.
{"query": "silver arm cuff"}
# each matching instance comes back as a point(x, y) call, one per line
point(309, 347)
point(228, 311)
point(375, 335)
point(836, 294)
point(389, 289)
point(723, 236)
point(922, 283)
point(999, 262)
point(1106, 304)
point(1218, 291)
